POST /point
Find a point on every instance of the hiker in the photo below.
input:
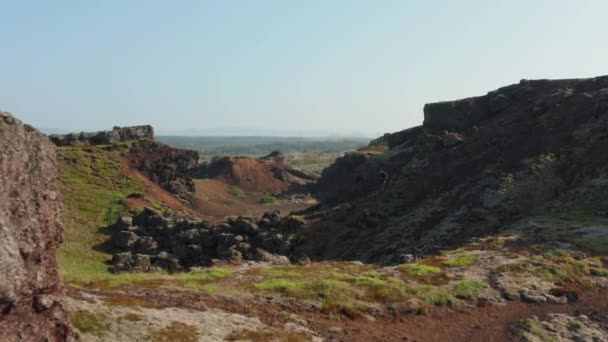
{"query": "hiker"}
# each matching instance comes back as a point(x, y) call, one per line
point(383, 180)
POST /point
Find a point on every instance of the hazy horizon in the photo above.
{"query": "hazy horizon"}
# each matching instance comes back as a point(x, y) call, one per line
point(233, 132)
point(312, 68)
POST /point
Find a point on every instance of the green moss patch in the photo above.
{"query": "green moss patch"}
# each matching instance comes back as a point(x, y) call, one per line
point(93, 190)
point(463, 260)
point(469, 289)
point(420, 269)
point(236, 191)
point(88, 322)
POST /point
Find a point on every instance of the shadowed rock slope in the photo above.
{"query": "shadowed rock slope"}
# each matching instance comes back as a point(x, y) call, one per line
point(30, 232)
point(170, 168)
point(474, 167)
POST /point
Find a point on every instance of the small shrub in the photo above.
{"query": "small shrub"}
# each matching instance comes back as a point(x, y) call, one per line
point(88, 322)
point(463, 260)
point(288, 287)
point(599, 272)
point(419, 269)
point(236, 191)
point(370, 282)
point(510, 294)
point(327, 288)
point(268, 199)
point(468, 289)
point(342, 307)
point(439, 298)
point(131, 317)
point(536, 330)
point(176, 331)
point(575, 325)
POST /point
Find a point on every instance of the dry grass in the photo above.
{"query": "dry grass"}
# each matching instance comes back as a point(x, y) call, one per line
point(265, 336)
point(176, 331)
point(122, 300)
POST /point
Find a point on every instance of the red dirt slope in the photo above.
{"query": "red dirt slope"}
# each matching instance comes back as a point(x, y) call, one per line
point(269, 174)
point(153, 191)
point(212, 201)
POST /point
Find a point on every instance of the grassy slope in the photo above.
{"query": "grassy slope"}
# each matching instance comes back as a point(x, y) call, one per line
point(93, 193)
point(94, 190)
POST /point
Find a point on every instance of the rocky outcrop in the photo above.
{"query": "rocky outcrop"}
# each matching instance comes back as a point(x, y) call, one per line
point(117, 134)
point(268, 174)
point(474, 166)
point(30, 232)
point(169, 167)
point(381, 141)
point(150, 241)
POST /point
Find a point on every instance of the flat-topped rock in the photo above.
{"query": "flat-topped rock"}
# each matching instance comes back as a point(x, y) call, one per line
point(117, 134)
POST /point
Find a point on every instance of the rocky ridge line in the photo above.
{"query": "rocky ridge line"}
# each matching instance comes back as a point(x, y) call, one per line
point(117, 134)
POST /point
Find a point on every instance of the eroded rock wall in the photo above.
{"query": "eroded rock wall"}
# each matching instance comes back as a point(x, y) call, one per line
point(117, 134)
point(30, 232)
point(475, 166)
point(171, 168)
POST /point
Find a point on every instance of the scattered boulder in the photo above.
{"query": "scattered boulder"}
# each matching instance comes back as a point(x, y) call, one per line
point(150, 241)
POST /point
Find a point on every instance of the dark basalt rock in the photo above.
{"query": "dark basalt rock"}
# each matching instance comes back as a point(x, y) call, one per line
point(169, 167)
point(475, 166)
point(117, 134)
point(151, 242)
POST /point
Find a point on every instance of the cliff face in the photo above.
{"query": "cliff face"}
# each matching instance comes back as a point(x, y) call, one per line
point(117, 134)
point(474, 166)
point(169, 167)
point(30, 232)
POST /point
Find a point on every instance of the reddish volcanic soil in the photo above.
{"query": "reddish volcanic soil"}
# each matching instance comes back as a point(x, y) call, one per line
point(213, 202)
point(252, 175)
point(211, 199)
point(258, 175)
point(490, 322)
point(154, 191)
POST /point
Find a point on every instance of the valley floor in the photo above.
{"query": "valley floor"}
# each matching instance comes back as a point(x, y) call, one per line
point(496, 289)
point(142, 316)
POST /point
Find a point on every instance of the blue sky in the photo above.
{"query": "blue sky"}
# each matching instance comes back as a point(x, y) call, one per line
point(280, 67)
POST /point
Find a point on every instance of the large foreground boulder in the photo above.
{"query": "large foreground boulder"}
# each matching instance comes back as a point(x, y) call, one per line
point(30, 232)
